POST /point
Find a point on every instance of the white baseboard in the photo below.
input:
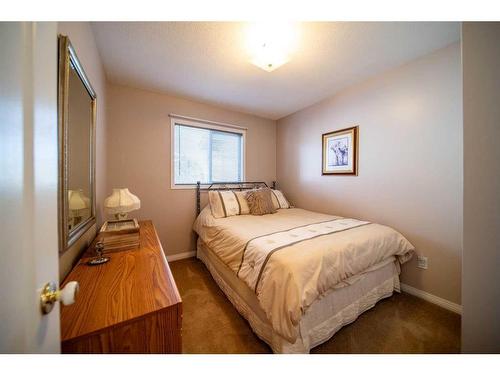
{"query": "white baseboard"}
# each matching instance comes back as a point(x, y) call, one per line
point(179, 256)
point(448, 305)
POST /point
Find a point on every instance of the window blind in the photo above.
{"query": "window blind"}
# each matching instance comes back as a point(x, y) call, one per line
point(206, 155)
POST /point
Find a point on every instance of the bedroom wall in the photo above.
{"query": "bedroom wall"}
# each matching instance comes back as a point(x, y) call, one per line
point(139, 156)
point(82, 39)
point(481, 291)
point(410, 162)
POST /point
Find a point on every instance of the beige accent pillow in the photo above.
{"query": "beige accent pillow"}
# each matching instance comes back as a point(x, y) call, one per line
point(279, 200)
point(241, 196)
point(224, 203)
point(260, 202)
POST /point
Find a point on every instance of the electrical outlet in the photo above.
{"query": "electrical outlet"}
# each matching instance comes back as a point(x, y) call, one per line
point(422, 262)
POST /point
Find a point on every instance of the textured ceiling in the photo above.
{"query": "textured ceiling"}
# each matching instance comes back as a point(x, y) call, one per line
point(207, 61)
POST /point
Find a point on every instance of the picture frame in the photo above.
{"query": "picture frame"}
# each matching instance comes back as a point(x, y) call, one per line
point(340, 152)
point(118, 227)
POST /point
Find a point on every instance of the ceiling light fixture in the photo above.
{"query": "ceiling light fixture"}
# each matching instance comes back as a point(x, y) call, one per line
point(271, 44)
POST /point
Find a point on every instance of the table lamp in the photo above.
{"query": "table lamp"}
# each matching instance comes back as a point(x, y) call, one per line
point(77, 204)
point(120, 203)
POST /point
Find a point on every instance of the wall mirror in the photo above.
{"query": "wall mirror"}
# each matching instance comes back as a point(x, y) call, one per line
point(76, 131)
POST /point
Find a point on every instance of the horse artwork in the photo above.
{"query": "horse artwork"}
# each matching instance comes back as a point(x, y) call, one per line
point(340, 152)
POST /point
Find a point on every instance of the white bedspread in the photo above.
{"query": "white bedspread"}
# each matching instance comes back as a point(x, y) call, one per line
point(293, 257)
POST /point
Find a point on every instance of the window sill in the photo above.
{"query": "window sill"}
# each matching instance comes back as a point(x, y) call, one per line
point(193, 186)
point(185, 187)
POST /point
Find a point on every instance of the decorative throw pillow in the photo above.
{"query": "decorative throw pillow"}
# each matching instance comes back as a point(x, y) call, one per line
point(241, 196)
point(227, 203)
point(279, 200)
point(260, 202)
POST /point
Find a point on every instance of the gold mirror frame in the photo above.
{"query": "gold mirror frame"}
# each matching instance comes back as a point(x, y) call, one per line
point(67, 56)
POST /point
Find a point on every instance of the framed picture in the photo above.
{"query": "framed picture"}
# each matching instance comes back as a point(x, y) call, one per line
point(340, 152)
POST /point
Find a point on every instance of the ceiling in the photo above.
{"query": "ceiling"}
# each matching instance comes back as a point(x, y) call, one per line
point(207, 61)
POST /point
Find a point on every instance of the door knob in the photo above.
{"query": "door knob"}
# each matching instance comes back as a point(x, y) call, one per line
point(51, 293)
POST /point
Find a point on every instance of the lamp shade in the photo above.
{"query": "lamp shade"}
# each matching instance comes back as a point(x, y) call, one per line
point(121, 201)
point(77, 200)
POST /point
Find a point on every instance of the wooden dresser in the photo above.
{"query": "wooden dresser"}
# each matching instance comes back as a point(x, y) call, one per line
point(128, 305)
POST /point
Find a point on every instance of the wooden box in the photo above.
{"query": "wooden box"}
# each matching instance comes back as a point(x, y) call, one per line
point(118, 235)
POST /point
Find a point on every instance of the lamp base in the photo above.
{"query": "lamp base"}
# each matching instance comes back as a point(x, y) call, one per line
point(121, 216)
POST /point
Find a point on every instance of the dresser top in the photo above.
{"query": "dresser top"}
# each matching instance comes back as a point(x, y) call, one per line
point(132, 284)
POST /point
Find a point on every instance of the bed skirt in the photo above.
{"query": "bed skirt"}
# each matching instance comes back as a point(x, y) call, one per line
point(314, 327)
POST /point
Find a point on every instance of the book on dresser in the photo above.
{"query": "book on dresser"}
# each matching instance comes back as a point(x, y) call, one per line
point(128, 305)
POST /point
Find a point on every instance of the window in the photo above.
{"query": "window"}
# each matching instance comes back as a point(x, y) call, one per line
point(206, 153)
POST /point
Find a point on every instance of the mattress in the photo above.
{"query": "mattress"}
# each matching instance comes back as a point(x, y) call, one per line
point(328, 314)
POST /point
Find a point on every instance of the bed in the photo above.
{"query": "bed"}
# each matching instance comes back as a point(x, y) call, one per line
point(299, 276)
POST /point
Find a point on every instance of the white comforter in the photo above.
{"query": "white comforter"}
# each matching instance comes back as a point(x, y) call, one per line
point(294, 256)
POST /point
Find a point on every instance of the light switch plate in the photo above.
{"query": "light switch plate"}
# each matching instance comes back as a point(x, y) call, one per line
point(422, 262)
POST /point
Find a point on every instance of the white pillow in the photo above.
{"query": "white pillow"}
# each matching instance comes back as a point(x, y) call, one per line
point(224, 203)
point(279, 200)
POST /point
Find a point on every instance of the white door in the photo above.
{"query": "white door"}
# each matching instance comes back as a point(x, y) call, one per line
point(28, 186)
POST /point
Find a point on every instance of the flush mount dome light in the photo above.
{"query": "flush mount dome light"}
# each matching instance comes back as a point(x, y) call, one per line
point(270, 44)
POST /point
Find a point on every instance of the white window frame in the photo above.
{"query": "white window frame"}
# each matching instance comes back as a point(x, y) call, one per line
point(202, 124)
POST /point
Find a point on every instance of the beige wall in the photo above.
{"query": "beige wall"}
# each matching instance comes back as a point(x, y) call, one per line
point(410, 161)
point(82, 39)
point(139, 156)
point(481, 236)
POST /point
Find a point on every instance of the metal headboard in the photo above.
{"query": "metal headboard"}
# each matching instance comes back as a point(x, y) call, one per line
point(244, 185)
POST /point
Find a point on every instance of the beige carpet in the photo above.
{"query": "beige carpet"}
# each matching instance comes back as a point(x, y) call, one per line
point(400, 324)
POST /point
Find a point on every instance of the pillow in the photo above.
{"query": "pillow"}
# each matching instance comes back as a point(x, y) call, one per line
point(241, 196)
point(227, 203)
point(279, 200)
point(260, 202)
